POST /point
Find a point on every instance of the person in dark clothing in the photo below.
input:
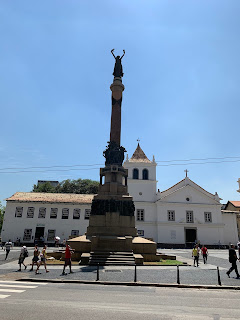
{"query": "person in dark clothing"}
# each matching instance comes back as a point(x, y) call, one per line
point(8, 246)
point(233, 260)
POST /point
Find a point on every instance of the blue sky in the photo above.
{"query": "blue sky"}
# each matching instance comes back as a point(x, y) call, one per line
point(181, 98)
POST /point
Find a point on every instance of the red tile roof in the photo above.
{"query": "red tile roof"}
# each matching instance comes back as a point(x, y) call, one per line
point(235, 203)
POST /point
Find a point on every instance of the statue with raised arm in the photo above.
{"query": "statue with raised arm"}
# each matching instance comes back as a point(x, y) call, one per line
point(118, 70)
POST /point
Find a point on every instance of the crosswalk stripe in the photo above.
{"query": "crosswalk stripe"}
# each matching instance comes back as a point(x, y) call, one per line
point(23, 282)
point(3, 296)
point(12, 290)
point(17, 286)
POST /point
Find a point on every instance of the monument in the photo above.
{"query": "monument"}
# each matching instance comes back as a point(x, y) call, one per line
point(111, 236)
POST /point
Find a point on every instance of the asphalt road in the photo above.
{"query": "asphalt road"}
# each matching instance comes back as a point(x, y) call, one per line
point(87, 302)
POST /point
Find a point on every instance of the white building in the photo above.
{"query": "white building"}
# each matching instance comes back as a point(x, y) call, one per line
point(179, 215)
point(175, 217)
point(31, 216)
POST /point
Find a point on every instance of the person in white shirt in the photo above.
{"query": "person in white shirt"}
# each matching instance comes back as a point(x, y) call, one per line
point(8, 246)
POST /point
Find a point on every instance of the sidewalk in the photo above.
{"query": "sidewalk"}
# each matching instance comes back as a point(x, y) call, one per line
point(205, 275)
point(149, 275)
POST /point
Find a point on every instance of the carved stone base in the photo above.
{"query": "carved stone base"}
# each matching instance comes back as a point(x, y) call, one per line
point(111, 224)
point(101, 206)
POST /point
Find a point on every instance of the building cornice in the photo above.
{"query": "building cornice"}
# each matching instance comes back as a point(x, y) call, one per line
point(181, 224)
point(56, 203)
point(189, 203)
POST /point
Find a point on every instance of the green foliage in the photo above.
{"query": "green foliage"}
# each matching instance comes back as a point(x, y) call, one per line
point(2, 211)
point(84, 186)
point(45, 187)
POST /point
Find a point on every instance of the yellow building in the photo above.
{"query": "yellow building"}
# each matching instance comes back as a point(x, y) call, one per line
point(234, 206)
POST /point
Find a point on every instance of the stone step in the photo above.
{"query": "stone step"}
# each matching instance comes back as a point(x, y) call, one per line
point(120, 260)
point(111, 258)
point(111, 253)
point(108, 263)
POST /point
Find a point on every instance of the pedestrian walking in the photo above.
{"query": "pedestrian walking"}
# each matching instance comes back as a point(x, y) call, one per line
point(8, 246)
point(57, 239)
point(204, 251)
point(23, 255)
point(195, 255)
point(35, 258)
point(43, 257)
point(233, 260)
point(68, 253)
point(238, 246)
point(18, 242)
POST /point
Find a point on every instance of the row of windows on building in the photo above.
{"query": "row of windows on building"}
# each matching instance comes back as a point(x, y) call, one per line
point(27, 236)
point(171, 216)
point(53, 213)
point(140, 216)
point(144, 174)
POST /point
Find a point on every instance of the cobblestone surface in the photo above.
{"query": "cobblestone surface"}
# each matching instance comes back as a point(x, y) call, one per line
point(203, 275)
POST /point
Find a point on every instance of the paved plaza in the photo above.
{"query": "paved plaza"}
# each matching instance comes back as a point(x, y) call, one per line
point(203, 275)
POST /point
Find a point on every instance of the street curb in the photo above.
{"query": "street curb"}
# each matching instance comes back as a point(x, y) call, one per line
point(133, 284)
point(139, 266)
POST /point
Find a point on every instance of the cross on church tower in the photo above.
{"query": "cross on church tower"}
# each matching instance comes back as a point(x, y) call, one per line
point(186, 172)
point(138, 140)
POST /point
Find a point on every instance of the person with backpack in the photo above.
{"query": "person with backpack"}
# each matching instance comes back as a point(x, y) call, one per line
point(23, 255)
point(8, 246)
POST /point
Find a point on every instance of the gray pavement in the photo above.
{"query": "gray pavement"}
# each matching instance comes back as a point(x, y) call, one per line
point(85, 302)
point(203, 275)
point(13, 254)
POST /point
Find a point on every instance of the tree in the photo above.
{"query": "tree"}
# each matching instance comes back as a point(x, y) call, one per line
point(83, 186)
point(44, 187)
point(2, 211)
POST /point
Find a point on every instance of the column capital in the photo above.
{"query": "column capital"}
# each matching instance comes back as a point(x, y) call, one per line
point(117, 85)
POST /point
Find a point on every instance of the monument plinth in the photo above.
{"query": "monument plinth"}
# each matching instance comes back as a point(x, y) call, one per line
point(111, 235)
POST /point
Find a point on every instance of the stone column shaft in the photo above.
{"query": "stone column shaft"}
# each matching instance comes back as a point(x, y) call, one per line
point(117, 88)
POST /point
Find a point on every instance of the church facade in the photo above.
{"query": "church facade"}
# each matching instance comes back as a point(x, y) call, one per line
point(176, 217)
point(180, 215)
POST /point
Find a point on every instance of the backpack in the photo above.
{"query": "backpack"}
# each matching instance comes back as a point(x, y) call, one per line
point(25, 253)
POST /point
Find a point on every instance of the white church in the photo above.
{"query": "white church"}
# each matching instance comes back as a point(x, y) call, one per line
point(177, 217)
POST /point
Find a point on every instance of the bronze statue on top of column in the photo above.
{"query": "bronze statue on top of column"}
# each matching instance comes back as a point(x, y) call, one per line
point(118, 70)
